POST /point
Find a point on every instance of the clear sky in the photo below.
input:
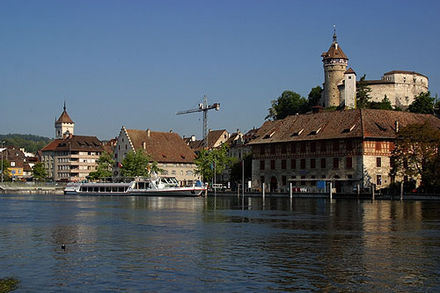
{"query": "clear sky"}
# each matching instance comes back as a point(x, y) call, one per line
point(136, 63)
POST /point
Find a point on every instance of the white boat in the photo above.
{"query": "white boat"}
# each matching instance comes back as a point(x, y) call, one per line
point(159, 186)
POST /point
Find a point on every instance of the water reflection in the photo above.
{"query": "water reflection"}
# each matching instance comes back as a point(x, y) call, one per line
point(219, 244)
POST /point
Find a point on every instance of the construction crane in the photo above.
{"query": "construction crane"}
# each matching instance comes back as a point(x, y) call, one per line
point(203, 107)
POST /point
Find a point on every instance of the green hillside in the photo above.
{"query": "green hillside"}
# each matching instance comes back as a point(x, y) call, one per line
point(31, 143)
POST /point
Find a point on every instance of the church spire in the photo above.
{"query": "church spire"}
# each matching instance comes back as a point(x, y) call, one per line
point(335, 39)
point(64, 106)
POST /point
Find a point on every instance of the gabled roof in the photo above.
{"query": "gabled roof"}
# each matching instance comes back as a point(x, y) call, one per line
point(403, 72)
point(163, 147)
point(359, 123)
point(213, 137)
point(75, 143)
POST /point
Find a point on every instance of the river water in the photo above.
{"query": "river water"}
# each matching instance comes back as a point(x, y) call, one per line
point(158, 244)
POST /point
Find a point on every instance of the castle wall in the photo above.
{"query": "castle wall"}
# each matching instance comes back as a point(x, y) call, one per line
point(401, 89)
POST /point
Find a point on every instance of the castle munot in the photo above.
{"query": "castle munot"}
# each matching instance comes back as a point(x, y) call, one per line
point(400, 87)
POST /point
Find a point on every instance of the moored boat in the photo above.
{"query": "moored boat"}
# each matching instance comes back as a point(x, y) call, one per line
point(159, 186)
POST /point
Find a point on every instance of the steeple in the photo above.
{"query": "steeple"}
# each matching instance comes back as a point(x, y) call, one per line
point(64, 124)
point(335, 39)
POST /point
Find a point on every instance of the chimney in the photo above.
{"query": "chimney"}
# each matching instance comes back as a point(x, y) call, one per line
point(193, 138)
point(144, 145)
point(171, 131)
point(148, 132)
point(396, 126)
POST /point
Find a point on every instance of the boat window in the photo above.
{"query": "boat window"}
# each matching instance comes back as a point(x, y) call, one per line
point(95, 189)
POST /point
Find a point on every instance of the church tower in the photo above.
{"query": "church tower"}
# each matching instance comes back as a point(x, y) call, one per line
point(335, 65)
point(64, 125)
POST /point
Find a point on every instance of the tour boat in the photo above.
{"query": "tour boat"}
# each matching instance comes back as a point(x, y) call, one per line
point(159, 186)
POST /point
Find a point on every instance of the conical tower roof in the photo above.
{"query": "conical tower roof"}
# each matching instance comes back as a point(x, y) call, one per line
point(64, 118)
point(335, 51)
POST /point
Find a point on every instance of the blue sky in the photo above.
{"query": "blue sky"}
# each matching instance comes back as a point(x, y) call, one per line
point(136, 63)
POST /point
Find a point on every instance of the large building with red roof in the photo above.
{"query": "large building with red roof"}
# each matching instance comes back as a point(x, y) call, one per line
point(70, 157)
point(168, 149)
point(350, 147)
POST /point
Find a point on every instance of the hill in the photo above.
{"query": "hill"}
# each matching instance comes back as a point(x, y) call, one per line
point(31, 143)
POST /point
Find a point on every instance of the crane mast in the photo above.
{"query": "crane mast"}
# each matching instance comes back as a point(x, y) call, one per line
point(203, 107)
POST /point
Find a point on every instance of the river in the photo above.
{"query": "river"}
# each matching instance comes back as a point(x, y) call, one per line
point(159, 244)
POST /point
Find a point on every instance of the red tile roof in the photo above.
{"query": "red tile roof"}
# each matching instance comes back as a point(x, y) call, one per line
point(359, 123)
point(64, 118)
point(75, 143)
point(213, 137)
point(164, 147)
point(334, 51)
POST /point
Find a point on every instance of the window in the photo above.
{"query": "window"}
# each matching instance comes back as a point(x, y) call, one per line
point(293, 164)
point(303, 147)
point(303, 164)
point(272, 149)
point(272, 164)
point(262, 165)
point(378, 146)
point(283, 148)
point(283, 164)
point(348, 163)
point(323, 147)
point(312, 163)
point(379, 179)
point(336, 146)
point(323, 163)
point(348, 145)
point(335, 163)
point(303, 182)
point(292, 147)
point(313, 147)
point(378, 162)
point(262, 149)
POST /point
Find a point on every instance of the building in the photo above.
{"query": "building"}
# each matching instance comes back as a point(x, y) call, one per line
point(19, 166)
point(70, 157)
point(400, 87)
point(168, 149)
point(352, 146)
point(215, 139)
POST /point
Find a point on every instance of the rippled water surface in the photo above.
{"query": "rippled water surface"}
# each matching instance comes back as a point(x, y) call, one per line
point(195, 244)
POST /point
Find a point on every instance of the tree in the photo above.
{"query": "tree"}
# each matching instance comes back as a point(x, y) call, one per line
point(236, 169)
point(314, 97)
point(363, 94)
point(210, 162)
point(416, 154)
point(6, 172)
point(289, 103)
point(104, 169)
point(137, 164)
point(39, 172)
point(385, 104)
point(423, 103)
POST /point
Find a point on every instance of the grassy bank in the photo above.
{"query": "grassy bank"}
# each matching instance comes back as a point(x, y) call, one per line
point(8, 285)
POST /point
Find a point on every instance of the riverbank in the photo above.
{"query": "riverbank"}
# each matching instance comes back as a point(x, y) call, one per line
point(31, 188)
point(408, 196)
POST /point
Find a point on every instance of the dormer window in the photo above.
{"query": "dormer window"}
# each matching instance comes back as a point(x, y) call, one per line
point(298, 132)
point(269, 135)
point(315, 132)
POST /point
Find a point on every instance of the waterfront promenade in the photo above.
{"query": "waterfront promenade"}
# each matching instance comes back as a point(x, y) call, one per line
point(217, 244)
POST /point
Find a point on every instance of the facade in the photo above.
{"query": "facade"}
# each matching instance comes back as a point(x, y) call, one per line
point(350, 147)
point(19, 166)
point(400, 87)
point(71, 158)
point(168, 149)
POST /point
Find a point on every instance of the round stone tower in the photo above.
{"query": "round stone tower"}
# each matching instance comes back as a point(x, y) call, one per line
point(335, 65)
